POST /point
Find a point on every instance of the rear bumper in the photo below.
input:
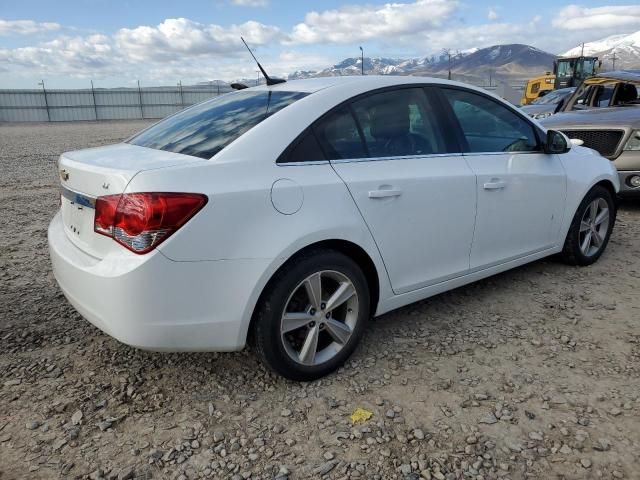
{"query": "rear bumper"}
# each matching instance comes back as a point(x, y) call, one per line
point(626, 190)
point(151, 302)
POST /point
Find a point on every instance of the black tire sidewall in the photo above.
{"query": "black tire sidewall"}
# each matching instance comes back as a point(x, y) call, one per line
point(573, 243)
point(267, 326)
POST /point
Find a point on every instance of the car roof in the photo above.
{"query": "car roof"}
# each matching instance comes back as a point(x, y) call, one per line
point(368, 82)
point(631, 76)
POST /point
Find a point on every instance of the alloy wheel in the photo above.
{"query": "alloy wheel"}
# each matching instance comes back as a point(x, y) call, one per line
point(319, 317)
point(594, 227)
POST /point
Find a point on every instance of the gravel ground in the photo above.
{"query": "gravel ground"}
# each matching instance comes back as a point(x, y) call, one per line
point(530, 374)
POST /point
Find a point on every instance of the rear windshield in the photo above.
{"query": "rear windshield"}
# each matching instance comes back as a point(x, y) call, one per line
point(205, 129)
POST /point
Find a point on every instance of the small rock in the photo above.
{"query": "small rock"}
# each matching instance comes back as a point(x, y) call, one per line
point(405, 469)
point(76, 418)
point(285, 412)
point(418, 434)
point(488, 419)
point(565, 449)
point(535, 436)
point(390, 413)
point(127, 473)
point(586, 463)
point(33, 425)
point(328, 455)
point(615, 411)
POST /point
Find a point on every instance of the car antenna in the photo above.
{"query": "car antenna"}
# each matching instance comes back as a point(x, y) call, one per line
point(270, 80)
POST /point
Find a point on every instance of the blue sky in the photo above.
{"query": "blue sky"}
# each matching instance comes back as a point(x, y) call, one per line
point(116, 42)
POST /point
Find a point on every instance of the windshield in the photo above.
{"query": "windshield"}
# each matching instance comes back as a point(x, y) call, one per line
point(552, 97)
point(205, 129)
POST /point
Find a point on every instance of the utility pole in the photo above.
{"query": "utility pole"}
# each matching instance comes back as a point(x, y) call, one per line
point(447, 52)
point(46, 103)
point(140, 101)
point(181, 95)
point(582, 51)
point(95, 107)
point(362, 61)
point(613, 59)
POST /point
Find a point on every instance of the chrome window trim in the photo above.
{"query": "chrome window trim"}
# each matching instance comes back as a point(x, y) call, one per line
point(78, 198)
point(301, 163)
point(386, 159)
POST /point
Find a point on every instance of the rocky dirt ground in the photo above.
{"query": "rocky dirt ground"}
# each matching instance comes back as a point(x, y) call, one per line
point(534, 373)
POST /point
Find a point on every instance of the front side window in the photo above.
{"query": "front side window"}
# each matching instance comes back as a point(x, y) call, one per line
point(489, 126)
point(205, 129)
point(398, 123)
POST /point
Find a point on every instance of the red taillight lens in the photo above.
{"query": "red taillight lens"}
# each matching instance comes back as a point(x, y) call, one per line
point(141, 221)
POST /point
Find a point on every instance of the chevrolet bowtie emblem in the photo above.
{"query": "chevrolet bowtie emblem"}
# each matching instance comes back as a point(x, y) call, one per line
point(64, 175)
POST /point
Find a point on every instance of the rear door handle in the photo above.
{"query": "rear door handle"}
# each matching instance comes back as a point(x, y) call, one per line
point(384, 193)
point(495, 185)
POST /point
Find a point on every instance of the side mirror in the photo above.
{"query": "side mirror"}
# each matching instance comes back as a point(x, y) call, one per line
point(556, 142)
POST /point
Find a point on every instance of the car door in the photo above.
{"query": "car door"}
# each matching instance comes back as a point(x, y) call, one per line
point(412, 186)
point(520, 189)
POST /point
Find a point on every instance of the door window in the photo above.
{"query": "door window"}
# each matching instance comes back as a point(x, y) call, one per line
point(488, 126)
point(398, 123)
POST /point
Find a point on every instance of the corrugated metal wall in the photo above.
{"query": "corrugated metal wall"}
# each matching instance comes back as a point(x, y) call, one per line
point(100, 104)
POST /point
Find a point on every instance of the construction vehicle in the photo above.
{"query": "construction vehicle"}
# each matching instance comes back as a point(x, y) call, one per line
point(567, 72)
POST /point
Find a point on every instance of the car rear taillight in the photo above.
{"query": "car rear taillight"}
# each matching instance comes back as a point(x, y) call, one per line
point(141, 221)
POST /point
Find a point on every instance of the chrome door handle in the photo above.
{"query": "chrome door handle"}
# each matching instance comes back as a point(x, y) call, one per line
point(495, 185)
point(384, 193)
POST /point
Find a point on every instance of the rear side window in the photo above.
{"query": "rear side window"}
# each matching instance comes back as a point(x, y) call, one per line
point(489, 126)
point(305, 149)
point(339, 136)
point(399, 123)
point(205, 129)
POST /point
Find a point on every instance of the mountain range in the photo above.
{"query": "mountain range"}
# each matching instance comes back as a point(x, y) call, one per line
point(625, 47)
point(512, 62)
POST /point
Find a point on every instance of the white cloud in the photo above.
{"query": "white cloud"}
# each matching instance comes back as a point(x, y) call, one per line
point(492, 14)
point(250, 3)
point(25, 27)
point(575, 17)
point(176, 37)
point(367, 22)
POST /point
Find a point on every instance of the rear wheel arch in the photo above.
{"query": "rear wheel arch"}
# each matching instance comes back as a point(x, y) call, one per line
point(346, 247)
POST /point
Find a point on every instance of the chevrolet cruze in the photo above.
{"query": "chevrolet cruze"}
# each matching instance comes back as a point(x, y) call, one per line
point(288, 215)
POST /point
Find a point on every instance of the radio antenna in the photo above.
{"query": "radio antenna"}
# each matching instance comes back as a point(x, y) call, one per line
point(270, 80)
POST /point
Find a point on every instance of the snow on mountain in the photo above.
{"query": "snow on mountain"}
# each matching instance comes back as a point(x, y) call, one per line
point(514, 60)
point(625, 46)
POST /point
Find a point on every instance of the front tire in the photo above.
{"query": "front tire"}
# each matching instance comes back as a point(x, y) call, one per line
point(312, 315)
point(591, 228)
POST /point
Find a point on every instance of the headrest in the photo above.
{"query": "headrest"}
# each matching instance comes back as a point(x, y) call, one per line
point(627, 93)
point(389, 120)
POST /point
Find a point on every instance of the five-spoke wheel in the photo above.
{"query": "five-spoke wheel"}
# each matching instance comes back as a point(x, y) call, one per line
point(591, 227)
point(312, 315)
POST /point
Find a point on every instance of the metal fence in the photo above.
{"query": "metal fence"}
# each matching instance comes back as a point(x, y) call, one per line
point(40, 105)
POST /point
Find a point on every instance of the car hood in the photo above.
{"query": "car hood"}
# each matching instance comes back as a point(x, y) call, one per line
point(628, 116)
point(536, 109)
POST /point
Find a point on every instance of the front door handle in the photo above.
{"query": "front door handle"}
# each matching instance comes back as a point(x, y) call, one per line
point(384, 193)
point(495, 185)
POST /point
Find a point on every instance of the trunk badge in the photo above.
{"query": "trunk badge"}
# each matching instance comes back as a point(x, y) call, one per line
point(105, 186)
point(64, 175)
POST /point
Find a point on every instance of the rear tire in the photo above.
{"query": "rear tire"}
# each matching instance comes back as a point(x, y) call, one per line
point(591, 228)
point(312, 315)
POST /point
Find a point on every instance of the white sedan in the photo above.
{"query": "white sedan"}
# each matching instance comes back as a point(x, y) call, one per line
point(288, 215)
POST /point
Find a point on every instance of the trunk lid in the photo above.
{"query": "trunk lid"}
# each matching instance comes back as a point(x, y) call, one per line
point(88, 174)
